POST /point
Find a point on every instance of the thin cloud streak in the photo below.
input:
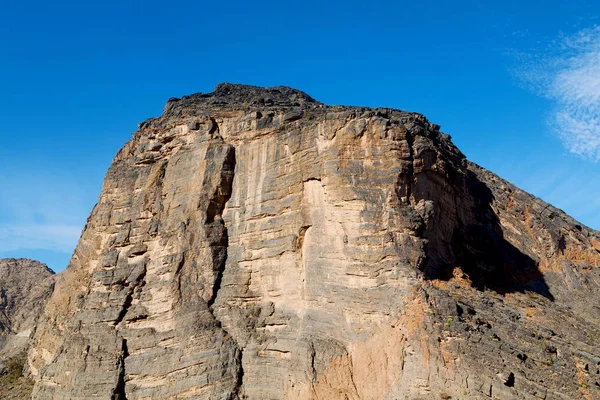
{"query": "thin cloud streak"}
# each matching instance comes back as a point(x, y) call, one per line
point(60, 238)
point(41, 211)
point(567, 72)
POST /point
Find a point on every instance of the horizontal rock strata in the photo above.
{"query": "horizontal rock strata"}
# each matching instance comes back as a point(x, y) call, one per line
point(255, 243)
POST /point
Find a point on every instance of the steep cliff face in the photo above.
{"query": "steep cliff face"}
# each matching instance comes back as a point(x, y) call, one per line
point(255, 243)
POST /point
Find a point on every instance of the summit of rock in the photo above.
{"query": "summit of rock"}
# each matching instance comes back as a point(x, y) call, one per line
point(237, 96)
point(21, 281)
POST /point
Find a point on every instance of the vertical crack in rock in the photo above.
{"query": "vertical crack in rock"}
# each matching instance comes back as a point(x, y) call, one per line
point(301, 250)
point(214, 128)
point(300, 238)
point(119, 391)
point(214, 213)
point(138, 282)
point(239, 378)
point(219, 245)
point(351, 374)
point(410, 173)
point(125, 309)
point(313, 369)
point(180, 264)
point(220, 257)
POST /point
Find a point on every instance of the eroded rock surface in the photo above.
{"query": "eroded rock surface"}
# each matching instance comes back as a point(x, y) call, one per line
point(255, 243)
point(25, 286)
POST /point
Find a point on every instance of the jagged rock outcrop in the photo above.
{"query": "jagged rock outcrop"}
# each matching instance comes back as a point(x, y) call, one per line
point(255, 243)
point(25, 286)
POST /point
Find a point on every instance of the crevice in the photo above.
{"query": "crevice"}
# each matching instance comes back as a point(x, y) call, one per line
point(313, 370)
point(178, 268)
point(214, 128)
point(219, 243)
point(239, 382)
point(409, 180)
point(311, 179)
point(119, 390)
point(125, 308)
point(510, 380)
point(351, 373)
point(218, 238)
point(139, 281)
point(219, 277)
point(300, 237)
point(222, 191)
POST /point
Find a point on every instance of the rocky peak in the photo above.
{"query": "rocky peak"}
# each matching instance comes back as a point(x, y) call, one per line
point(254, 243)
point(21, 281)
point(25, 286)
point(237, 97)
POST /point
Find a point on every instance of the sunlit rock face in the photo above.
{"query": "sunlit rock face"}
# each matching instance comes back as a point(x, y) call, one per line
point(255, 243)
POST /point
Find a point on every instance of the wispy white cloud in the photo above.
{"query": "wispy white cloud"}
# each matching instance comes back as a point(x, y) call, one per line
point(41, 210)
point(567, 72)
point(60, 238)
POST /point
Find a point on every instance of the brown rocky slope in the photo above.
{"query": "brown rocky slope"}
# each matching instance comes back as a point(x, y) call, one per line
point(255, 243)
point(25, 286)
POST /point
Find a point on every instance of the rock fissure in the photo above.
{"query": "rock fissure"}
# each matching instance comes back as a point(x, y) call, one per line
point(138, 283)
point(215, 211)
point(408, 180)
point(119, 390)
point(239, 382)
point(218, 280)
point(214, 216)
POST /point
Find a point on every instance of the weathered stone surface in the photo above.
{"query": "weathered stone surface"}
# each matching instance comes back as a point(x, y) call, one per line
point(25, 286)
point(255, 243)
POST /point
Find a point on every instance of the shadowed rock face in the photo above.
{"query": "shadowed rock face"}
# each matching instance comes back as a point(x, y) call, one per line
point(255, 243)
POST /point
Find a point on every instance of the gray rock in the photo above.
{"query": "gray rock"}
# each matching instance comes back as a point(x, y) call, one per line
point(25, 286)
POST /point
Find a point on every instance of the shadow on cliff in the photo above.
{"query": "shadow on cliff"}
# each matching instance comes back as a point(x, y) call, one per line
point(479, 248)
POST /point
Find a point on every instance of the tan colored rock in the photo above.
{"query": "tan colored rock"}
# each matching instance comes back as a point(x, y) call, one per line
point(254, 243)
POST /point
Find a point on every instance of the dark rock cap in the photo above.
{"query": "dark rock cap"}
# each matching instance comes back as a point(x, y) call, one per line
point(229, 95)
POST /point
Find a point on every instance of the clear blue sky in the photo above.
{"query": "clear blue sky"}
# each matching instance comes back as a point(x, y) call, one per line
point(515, 83)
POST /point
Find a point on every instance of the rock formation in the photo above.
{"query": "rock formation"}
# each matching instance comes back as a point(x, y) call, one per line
point(25, 286)
point(254, 243)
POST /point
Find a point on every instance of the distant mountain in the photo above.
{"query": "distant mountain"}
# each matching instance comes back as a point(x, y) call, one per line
point(25, 286)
